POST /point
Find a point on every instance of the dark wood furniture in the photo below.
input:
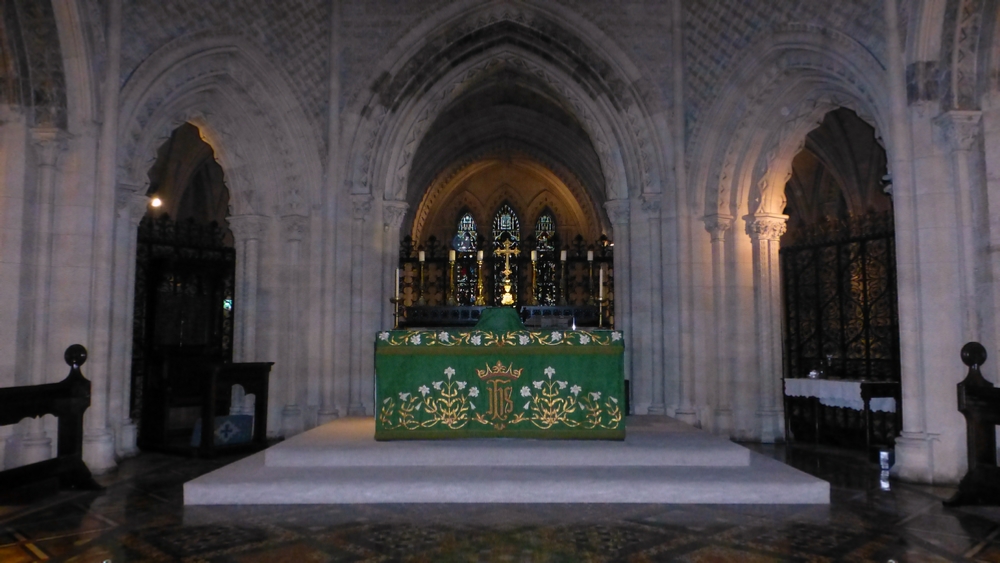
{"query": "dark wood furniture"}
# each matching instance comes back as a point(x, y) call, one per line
point(979, 402)
point(67, 400)
point(184, 388)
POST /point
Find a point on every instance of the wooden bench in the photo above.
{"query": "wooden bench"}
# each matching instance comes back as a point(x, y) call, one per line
point(979, 401)
point(67, 400)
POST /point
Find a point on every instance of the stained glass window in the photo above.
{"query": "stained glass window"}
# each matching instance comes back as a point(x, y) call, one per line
point(506, 227)
point(467, 235)
point(545, 269)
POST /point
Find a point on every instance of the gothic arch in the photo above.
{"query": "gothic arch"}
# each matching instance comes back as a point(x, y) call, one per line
point(417, 82)
point(245, 111)
point(789, 81)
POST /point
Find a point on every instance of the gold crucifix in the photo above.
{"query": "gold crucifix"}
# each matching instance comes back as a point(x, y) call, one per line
point(507, 251)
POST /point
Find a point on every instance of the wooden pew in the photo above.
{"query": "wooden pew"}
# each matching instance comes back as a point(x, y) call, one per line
point(979, 401)
point(66, 400)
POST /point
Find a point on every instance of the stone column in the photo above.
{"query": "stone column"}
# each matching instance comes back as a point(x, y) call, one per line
point(361, 207)
point(717, 226)
point(619, 213)
point(48, 144)
point(651, 204)
point(248, 230)
point(961, 131)
point(293, 228)
point(765, 231)
point(132, 206)
point(392, 214)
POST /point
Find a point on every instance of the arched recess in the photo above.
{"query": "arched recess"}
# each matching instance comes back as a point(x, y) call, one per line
point(546, 50)
point(740, 163)
point(245, 110)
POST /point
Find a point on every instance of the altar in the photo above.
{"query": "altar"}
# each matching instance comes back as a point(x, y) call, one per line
point(499, 379)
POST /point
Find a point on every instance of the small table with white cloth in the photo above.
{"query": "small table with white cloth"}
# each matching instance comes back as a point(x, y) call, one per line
point(866, 396)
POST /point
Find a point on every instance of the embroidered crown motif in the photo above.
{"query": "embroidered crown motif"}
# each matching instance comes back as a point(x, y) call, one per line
point(499, 371)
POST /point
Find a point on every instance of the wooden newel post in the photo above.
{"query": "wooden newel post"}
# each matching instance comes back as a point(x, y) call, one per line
point(979, 402)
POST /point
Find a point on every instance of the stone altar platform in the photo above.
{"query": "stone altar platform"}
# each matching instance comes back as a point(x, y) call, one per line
point(660, 461)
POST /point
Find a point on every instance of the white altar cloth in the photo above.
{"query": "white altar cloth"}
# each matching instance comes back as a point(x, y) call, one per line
point(837, 393)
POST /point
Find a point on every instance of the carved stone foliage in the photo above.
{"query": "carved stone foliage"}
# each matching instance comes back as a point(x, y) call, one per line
point(294, 227)
point(294, 34)
point(717, 225)
point(248, 227)
point(960, 129)
point(393, 213)
point(32, 73)
point(361, 206)
point(766, 227)
point(618, 211)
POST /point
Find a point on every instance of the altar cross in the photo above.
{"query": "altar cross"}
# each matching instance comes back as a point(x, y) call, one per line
point(507, 251)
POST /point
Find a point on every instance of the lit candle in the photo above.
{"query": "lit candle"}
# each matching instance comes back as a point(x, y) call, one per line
point(421, 256)
point(600, 285)
point(562, 255)
point(397, 284)
point(590, 256)
point(479, 256)
point(534, 255)
point(451, 255)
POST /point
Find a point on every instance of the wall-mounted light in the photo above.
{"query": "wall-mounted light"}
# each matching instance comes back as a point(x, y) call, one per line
point(156, 202)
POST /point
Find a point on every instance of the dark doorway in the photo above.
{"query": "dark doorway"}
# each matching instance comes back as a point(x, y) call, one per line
point(184, 291)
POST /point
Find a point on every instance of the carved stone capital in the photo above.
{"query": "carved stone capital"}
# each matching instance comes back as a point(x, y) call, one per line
point(49, 142)
point(766, 227)
point(361, 206)
point(131, 204)
point(294, 227)
point(248, 227)
point(717, 225)
point(393, 213)
point(960, 129)
point(618, 211)
point(651, 204)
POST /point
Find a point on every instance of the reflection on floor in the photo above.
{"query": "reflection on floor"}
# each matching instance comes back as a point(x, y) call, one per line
point(140, 517)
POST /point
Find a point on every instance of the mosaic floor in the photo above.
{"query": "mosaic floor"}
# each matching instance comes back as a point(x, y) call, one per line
point(140, 517)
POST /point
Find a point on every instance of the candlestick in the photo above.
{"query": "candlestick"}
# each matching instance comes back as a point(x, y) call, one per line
point(421, 256)
point(451, 255)
point(562, 255)
point(534, 255)
point(600, 285)
point(590, 256)
point(397, 283)
point(479, 256)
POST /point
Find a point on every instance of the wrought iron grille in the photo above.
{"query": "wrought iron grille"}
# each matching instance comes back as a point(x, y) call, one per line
point(840, 300)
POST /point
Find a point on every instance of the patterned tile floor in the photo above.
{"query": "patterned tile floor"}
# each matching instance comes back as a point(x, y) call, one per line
point(140, 517)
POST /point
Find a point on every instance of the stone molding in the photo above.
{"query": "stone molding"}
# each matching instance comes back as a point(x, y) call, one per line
point(393, 212)
point(131, 204)
point(294, 227)
point(619, 211)
point(49, 143)
point(960, 129)
point(652, 204)
point(248, 227)
point(717, 225)
point(766, 227)
point(361, 206)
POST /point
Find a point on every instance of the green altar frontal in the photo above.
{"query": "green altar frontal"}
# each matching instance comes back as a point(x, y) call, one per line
point(499, 380)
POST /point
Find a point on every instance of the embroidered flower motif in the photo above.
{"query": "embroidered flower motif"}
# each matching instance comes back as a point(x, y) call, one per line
point(616, 336)
point(404, 396)
point(596, 395)
point(575, 390)
point(443, 336)
point(416, 408)
point(415, 339)
point(449, 371)
point(537, 384)
point(550, 371)
point(614, 400)
point(556, 336)
point(472, 406)
point(437, 385)
point(424, 390)
point(462, 384)
point(562, 384)
point(476, 340)
point(584, 339)
point(525, 392)
point(527, 405)
point(524, 339)
point(474, 392)
point(383, 336)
